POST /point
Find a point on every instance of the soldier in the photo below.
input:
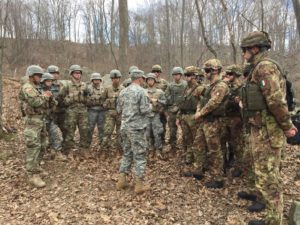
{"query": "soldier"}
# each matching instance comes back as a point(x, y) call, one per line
point(96, 112)
point(233, 122)
point(187, 108)
point(158, 99)
point(212, 114)
point(127, 81)
point(161, 84)
point(134, 106)
point(35, 104)
point(60, 111)
point(265, 107)
point(52, 129)
point(174, 95)
point(74, 95)
point(112, 118)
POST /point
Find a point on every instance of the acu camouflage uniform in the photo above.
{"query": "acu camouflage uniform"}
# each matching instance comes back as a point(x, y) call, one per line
point(134, 106)
point(112, 118)
point(269, 118)
point(155, 126)
point(208, 139)
point(75, 96)
point(96, 113)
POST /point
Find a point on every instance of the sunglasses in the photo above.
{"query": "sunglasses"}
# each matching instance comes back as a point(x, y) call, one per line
point(245, 49)
point(208, 70)
point(155, 71)
point(230, 73)
point(189, 74)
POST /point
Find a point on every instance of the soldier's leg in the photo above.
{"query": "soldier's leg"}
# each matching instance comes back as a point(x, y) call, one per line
point(200, 149)
point(157, 128)
point(118, 126)
point(83, 129)
point(212, 131)
point(109, 127)
point(127, 157)
point(59, 120)
point(172, 129)
point(32, 134)
point(70, 126)
point(163, 120)
point(54, 136)
point(92, 120)
point(100, 125)
point(267, 174)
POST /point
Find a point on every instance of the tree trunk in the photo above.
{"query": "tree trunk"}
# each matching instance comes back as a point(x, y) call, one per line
point(112, 26)
point(210, 48)
point(296, 4)
point(123, 40)
point(168, 36)
point(181, 32)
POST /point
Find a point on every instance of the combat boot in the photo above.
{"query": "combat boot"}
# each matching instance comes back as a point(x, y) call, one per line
point(36, 181)
point(122, 182)
point(140, 187)
point(247, 196)
point(197, 174)
point(256, 207)
point(257, 222)
point(215, 184)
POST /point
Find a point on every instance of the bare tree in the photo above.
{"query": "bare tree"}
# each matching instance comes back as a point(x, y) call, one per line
point(123, 40)
point(181, 32)
point(296, 4)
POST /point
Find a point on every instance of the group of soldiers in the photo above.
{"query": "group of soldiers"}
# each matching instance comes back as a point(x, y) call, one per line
point(237, 112)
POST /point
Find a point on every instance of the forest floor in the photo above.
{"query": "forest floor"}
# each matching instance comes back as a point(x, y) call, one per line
point(83, 192)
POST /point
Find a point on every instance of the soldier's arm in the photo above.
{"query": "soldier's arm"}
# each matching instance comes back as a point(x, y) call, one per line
point(268, 77)
point(33, 99)
point(162, 98)
point(217, 95)
point(145, 106)
point(120, 103)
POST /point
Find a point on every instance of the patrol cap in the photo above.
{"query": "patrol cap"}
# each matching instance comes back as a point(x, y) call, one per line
point(34, 69)
point(47, 76)
point(115, 74)
point(135, 74)
point(177, 70)
point(96, 76)
point(74, 68)
point(53, 69)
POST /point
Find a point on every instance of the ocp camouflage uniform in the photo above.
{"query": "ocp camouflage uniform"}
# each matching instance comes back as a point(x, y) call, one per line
point(96, 113)
point(35, 105)
point(112, 118)
point(155, 126)
point(134, 106)
point(75, 96)
point(267, 137)
point(174, 95)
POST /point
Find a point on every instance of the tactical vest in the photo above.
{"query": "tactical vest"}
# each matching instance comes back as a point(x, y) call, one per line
point(28, 110)
point(55, 88)
point(189, 101)
point(252, 97)
point(176, 93)
point(76, 93)
point(221, 109)
point(155, 93)
point(94, 100)
point(110, 103)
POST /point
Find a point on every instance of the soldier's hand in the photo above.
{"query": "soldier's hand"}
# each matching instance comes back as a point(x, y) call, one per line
point(197, 116)
point(177, 122)
point(47, 94)
point(291, 132)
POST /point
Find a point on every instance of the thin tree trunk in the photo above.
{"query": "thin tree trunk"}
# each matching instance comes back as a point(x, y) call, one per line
point(210, 48)
point(123, 40)
point(262, 14)
point(181, 32)
point(112, 29)
point(296, 4)
point(168, 35)
point(231, 33)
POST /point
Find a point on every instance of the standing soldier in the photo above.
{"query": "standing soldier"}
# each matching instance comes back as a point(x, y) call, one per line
point(127, 81)
point(233, 121)
point(75, 93)
point(60, 110)
point(174, 95)
point(158, 99)
point(95, 109)
point(264, 105)
point(161, 84)
point(34, 103)
point(212, 114)
point(112, 118)
point(187, 109)
point(134, 107)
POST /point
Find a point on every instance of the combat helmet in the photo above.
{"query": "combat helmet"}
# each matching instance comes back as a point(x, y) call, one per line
point(151, 76)
point(235, 69)
point(53, 69)
point(177, 70)
point(47, 76)
point(95, 76)
point(212, 64)
point(136, 73)
point(156, 68)
point(190, 70)
point(115, 74)
point(256, 38)
point(132, 68)
point(34, 69)
point(74, 68)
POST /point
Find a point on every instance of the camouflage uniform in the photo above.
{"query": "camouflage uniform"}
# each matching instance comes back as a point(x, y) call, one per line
point(112, 118)
point(75, 94)
point(174, 95)
point(134, 106)
point(268, 116)
point(96, 113)
point(212, 112)
point(127, 81)
point(155, 126)
point(187, 108)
